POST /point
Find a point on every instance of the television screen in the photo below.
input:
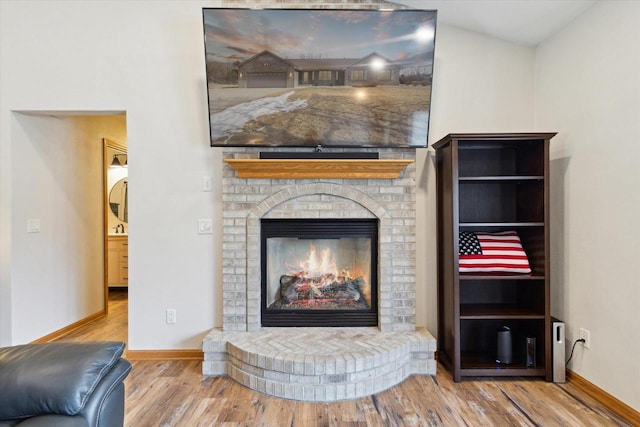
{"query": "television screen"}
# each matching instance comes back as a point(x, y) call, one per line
point(318, 77)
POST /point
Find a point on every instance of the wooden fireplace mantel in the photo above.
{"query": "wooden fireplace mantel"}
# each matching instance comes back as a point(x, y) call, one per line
point(318, 168)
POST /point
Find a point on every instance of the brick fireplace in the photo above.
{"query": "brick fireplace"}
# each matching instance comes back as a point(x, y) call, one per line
point(370, 363)
point(390, 201)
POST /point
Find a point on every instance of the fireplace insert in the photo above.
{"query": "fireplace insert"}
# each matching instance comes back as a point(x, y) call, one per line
point(319, 272)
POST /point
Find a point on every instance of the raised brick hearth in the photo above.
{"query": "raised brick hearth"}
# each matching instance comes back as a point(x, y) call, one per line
point(319, 364)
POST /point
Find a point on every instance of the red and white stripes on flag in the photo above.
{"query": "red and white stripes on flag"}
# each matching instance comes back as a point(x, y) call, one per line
point(501, 252)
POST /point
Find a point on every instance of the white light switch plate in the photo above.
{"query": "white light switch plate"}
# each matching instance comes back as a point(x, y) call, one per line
point(172, 315)
point(33, 225)
point(205, 226)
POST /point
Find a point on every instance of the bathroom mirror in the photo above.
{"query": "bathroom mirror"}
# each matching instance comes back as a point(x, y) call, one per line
point(118, 200)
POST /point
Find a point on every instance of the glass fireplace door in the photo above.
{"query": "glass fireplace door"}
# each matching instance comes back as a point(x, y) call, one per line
point(319, 273)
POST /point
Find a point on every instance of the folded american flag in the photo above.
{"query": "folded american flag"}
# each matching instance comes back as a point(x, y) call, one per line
point(498, 252)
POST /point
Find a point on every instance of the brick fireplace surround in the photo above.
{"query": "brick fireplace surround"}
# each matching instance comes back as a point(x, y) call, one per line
point(319, 364)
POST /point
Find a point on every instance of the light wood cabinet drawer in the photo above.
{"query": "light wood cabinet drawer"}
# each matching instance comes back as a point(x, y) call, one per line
point(118, 258)
point(123, 273)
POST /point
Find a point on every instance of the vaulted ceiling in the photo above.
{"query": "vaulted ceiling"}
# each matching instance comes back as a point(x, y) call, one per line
point(525, 22)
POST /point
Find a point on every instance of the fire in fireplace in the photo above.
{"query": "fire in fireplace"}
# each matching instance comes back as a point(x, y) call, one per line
point(317, 282)
point(319, 272)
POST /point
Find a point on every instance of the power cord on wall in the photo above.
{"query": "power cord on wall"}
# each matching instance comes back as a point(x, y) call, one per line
point(573, 348)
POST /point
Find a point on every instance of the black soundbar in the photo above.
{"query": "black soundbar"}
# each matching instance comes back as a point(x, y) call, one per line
point(318, 155)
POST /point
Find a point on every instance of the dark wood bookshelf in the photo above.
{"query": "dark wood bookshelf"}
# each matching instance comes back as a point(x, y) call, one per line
point(486, 276)
point(493, 182)
point(501, 224)
point(498, 311)
point(501, 178)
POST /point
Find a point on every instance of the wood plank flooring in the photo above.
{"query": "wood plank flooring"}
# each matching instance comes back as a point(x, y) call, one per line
point(175, 393)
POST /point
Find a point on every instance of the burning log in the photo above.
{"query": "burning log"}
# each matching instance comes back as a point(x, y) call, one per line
point(317, 303)
point(298, 287)
point(288, 289)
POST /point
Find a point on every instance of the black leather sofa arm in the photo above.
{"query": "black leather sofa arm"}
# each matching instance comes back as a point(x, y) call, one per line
point(63, 384)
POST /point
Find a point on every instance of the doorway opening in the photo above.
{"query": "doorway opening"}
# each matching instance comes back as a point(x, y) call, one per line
point(116, 216)
point(57, 190)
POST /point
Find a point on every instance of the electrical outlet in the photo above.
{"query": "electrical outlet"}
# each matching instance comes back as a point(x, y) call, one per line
point(586, 336)
point(171, 315)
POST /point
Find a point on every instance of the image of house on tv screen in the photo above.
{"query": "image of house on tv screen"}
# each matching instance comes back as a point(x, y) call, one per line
point(335, 78)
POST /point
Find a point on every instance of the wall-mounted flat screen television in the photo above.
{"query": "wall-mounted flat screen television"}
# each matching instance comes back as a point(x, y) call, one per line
point(318, 77)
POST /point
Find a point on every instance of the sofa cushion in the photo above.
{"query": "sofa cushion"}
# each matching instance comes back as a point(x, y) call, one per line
point(52, 378)
point(53, 421)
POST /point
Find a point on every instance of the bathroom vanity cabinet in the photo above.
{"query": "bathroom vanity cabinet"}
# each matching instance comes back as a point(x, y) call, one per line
point(118, 260)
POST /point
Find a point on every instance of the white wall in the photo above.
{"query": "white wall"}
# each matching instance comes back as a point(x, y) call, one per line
point(146, 58)
point(588, 89)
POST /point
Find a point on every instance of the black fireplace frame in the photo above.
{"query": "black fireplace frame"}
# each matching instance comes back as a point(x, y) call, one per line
point(313, 229)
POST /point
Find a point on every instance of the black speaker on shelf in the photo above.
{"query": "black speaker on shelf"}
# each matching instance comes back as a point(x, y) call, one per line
point(505, 350)
point(531, 352)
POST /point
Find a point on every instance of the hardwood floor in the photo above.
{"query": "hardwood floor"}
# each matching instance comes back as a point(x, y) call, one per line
point(113, 327)
point(175, 393)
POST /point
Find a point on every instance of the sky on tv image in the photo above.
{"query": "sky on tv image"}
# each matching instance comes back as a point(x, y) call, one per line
point(237, 34)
